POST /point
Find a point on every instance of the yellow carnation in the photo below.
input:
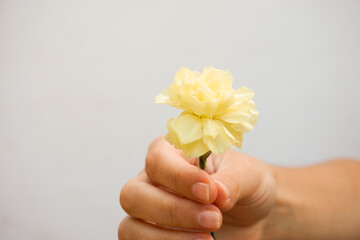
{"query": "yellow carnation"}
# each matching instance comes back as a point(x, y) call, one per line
point(215, 116)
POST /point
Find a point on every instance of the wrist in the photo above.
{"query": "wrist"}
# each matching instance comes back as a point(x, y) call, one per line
point(311, 202)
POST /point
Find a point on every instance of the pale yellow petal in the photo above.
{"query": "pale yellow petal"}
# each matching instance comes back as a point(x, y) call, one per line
point(221, 142)
point(235, 116)
point(243, 127)
point(210, 127)
point(249, 124)
point(195, 149)
point(172, 137)
point(170, 97)
point(226, 99)
point(184, 73)
point(203, 108)
point(230, 135)
point(217, 79)
point(242, 95)
point(202, 91)
point(163, 97)
point(188, 128)
point(254, 113)
point(238, 135)
point(239, 139)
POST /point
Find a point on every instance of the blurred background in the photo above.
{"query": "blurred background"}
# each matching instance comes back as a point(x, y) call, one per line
point(78, 80)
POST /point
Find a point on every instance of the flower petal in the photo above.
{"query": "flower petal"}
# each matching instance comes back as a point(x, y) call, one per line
point(235, 116)
point(242, 95)
point(203, 108)
point(163, 97)
point(217, 79)
point(238, 135)
point(210, 127)
point(243, 119)
point(221, 142)
point(226, 99)
point(188, 128)
point(243, 127)
point(193, 149)
point(172, 137)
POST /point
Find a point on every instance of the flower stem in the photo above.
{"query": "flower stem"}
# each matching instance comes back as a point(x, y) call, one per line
point(202, 164)
point(202, 160)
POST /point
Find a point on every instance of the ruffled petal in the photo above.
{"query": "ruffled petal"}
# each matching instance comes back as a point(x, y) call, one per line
point(242, 95)
point(206, 108)
point(226, 99)
point(203, 94)
point(185, 73)
point(192, 149)
point(210, 128)
point(195, 149)
point(235, 116)
point(237, 135)
point(242, 119)
point(172, 137)
point(188, 128)
point(163, 97)
point(221, 142)
point(217, 79)
point(243, 127)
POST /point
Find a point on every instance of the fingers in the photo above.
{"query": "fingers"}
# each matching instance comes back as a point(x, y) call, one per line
point(167, 167)
point(237, 177)
point(141, 199)
point(134, 229)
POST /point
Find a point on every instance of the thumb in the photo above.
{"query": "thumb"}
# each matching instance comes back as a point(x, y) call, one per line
point(237, 176)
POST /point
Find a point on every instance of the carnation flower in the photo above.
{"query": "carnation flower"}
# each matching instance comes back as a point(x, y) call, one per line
point(215, 115)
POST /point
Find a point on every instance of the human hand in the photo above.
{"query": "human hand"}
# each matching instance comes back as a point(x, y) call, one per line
point(174, 199)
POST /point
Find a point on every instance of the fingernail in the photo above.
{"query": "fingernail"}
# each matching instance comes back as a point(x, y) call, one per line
point(209, 219)
point(201, 239)
point(225, 188)
point(201, 191)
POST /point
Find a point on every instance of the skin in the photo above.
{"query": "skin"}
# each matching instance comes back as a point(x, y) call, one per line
point(239, 197)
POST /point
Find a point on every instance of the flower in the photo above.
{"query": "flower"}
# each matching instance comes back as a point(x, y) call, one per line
point(215, 115)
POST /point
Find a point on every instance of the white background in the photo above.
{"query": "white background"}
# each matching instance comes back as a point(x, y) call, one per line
point(78, 80)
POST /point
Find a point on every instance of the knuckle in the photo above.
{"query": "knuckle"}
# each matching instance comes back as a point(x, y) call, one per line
point(172, 211)
point(177, 179)
point(123, 230)
point(126, 198)
point(148, 164)
point(150, 160)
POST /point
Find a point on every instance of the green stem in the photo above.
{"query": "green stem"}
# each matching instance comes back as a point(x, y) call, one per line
point(202, 160)
point(202, 164)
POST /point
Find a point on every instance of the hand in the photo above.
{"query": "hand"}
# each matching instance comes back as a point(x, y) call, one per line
point(174, 199)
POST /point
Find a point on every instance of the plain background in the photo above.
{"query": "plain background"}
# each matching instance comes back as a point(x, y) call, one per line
point(78, 80)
